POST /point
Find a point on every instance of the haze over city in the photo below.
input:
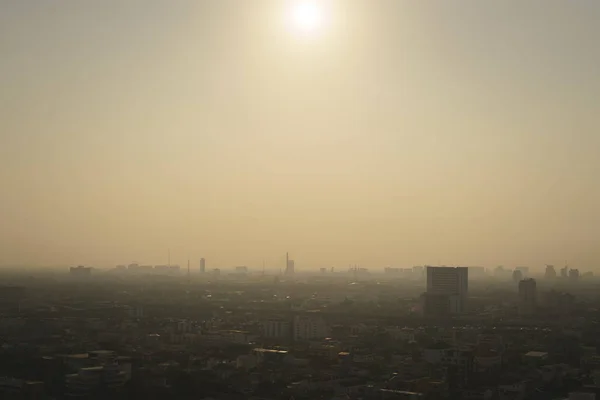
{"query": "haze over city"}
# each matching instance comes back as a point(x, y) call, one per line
point(369, 132)
point(299, 200)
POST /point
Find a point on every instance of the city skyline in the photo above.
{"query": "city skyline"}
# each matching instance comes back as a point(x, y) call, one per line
point(371, 132)
point(299, 199)
point(202, 265)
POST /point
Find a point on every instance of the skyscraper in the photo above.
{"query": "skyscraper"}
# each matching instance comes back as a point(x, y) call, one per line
point(289, 265)
point(564, 272)
point(450, 282)
point(202, 265)
point(517, 275)
point(527, 297)
point(550, 272)
point(574, 274)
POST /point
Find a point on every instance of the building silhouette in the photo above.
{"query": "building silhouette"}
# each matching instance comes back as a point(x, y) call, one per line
point(550, 272)
point(574, 274)
point(289, 265)
point(527, 297)
point(446, 285)
point(517, 275)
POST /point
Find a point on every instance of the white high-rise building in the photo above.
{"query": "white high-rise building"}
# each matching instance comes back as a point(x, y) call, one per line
point(452, 282)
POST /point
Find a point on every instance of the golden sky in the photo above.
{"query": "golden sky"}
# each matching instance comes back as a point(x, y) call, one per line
point(394, 133)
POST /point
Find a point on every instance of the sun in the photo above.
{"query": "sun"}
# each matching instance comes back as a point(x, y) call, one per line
point(306, 16)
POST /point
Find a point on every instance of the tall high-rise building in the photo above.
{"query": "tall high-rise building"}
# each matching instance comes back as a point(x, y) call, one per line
point(451, 282)
point(435, 304)
point(564, 272)
point(202, 265)
point(517, 275)
point(527, 297)
point(448, 280)
point(574, 274)
point(289, 265)
point(550, 272)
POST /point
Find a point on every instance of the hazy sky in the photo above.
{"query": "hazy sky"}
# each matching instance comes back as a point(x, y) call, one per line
point(401, 133)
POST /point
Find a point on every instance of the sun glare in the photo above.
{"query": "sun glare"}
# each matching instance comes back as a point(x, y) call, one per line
point(306, 16)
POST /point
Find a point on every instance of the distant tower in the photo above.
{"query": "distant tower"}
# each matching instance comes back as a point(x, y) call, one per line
point(448, 286)
point(289, 265)
point(202, 265)
point(550, 272)
point(564, 272)
point(527, 297)
point(517, 275)
point(574, 274)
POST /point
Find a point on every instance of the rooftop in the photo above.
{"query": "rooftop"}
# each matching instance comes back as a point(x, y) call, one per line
point(538, 354)
point(272, 351)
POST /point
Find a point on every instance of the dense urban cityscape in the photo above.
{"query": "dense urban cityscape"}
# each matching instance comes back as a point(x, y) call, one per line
point(432, 166)
point(393, 333)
